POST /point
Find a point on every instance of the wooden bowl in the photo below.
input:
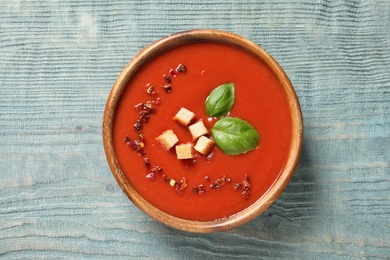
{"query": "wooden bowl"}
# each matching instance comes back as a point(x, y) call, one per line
point(152, 51)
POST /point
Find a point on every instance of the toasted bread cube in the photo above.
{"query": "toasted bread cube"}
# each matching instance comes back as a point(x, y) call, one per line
point(184, 116)
point(167, 139)
point(184, 151)
point(198, 129)
point(204, 145)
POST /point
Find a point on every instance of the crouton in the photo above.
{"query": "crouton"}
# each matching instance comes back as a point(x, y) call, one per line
point(184, 151)
point(167, 139)
point(204, 145)
point(184, 116)
point(198, 129)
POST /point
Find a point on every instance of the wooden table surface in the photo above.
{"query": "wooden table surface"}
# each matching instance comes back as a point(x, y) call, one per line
point(58, 62)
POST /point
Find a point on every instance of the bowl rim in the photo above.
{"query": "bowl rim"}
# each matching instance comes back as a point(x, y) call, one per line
point(169, 42)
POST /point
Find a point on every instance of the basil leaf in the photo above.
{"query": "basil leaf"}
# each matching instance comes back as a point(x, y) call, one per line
point(220, 100)
point(235, 136)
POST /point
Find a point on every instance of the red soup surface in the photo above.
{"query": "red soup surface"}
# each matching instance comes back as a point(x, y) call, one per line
point(214, 185)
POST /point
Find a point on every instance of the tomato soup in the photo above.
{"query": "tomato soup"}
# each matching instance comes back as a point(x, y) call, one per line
point(216, 185)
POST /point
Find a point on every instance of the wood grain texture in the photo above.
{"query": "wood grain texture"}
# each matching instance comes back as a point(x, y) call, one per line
point(58, 61)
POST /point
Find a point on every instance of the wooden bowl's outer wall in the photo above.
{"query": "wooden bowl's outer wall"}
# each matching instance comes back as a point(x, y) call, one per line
point(162, 45)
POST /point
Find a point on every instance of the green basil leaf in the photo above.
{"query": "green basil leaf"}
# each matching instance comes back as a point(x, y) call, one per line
point(220, 100)
point(235, 136)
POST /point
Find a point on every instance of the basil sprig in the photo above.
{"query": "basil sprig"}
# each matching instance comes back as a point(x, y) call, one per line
point(233, 135)
point(220, 101)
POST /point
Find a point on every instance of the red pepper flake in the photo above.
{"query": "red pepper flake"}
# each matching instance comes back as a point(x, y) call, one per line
point(167, 78)
point(144, 116)
point(167, 87)
point(148, 106)
point(237, 186)
point(173, 72)
point(138, 125)
point(141, 136)
point(201, 188)
point(177, 185)
point(146, 162)
point(150, 90)
point(157, 169)
point(178, 188)
point(151, 176)
point(136, 145)
point(214, 186)
point(138, 106)
point(183, 183)
point(218, 183)
point(181, 68)
point(244, 186)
